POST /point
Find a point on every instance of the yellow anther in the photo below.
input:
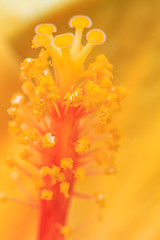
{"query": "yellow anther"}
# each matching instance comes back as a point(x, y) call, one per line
point(104, 116)
point(94, 95)
point(48, 140)
point(80, 21)
point(38, 181)
point(46, 194)
point(41, 40)
point(83, 145)
point(64, 188)
point(56, 175)
point(66, 231)
point(99, 199)
point(74, 98)
point(96, 36)
point(26, 155)
point(28, 136)
point(45, 171)
point(17, 100)
point(45, 28)
point(3, 197)
point(10, 160)
point(80, 174)
point(64, 40)
point(66, 163)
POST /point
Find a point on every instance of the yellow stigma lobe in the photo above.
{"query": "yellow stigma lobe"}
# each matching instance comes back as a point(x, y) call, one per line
point(41, 40)
point(80, 22)
point(96, 36)
point(64, 40)
point(45, 28)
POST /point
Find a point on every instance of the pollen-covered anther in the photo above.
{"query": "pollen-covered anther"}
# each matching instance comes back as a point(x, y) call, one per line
point(67, 163)
point(10, 160)
point(45, 171)
point(28, 136)
point(41, 40)
point(64, 40)
point(57, 175)
point(99, 199)
point(80, 21)
point(83, 145)
point(96, 36)
point(17, 100)
point(74, 98)
point(3, 197)
point(46, 195)
point(46, 28)
point(48, 140)
point(80, 174)
point(66, 231)
point(64, 188)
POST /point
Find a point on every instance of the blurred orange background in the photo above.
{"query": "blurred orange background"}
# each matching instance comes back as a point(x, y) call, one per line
point(133, 47)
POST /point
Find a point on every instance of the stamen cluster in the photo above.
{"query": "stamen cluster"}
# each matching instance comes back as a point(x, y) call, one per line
point(63, 117)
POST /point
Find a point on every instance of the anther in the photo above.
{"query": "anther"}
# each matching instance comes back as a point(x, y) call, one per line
point(48, 140)
point(46, 195)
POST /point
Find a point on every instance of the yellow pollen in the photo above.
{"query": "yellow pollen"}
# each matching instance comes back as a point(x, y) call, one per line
point(96, 36)
point(66, 163)
point(46, 195)
point(3, 197)
point(46, 28)
point(28, 136)
point(80, 22)
point(64, 188)
point(74, 98)
point(80, 174)
point(66, 231)
point(64, 40)
point(82, 145)
point(41, 40)
point(99, 199)
point(48, 140)
point(56, 175)
point(45, 171)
